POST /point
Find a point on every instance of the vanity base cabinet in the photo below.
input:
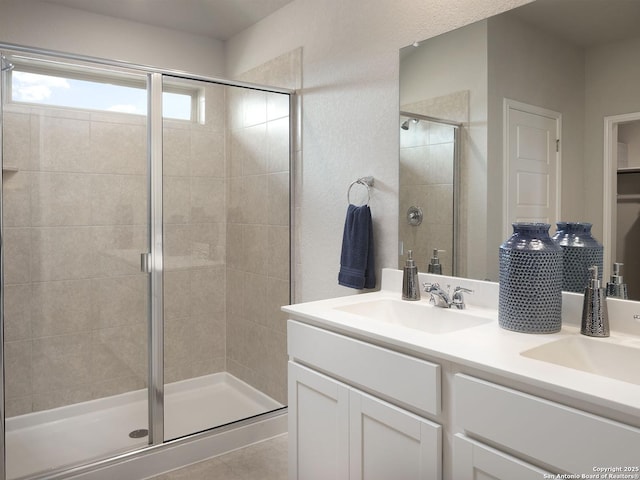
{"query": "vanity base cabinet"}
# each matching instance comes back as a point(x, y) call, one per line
point(318, 426)
point(338, 432)
point(387, 442)
point(475, 461)
point(558, 436)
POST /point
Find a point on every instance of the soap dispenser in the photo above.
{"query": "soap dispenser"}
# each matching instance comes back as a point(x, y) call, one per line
point(410, 286)
point(434, 265)
point(616, 286)
point(595, 319)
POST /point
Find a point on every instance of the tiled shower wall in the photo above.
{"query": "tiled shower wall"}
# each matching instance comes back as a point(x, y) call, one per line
point(426, 181)
point(258, 234)
point(74, 217)
point(194, 216)
point(75, 220)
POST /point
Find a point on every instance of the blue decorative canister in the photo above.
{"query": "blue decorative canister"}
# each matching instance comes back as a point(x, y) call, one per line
point(580, 251)
point(530, 290)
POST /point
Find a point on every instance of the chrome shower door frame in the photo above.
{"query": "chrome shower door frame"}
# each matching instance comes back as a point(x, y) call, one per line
point(153, 258)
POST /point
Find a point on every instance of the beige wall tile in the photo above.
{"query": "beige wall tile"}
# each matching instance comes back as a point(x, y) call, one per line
point(117, 386)
point(16, 199)
point(277, 296)
point(235, 200)
point(207, 153)
point(278, 261)
point(117, 249)
point(278, 203)
point(207, 243)
point(177, 247)
point(254, 160)
point(176, 147)
point(62, 397)
point(254, 107)
point(17, 255)
point(61, 362)
point(119, 148)
point(119, 200)
point(15, 406)
point(120, 300)
point(256, 300)
point(16, 140)
point(177, 294)
point(60, 253)
point(61, 199)
point(63, 145)
point(176, 205)
point(207, 200)
point(17, 312)
point(62, 307)
point(255, 199)
point(208, 292)
point(255, 248)
point(18, 368)
point(119, 352)
point(278, 145)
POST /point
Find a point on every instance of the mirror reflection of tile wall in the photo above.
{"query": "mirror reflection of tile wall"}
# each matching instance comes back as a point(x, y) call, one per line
point(427, 180)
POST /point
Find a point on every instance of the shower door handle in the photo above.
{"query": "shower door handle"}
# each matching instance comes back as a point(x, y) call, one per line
point(145, 262)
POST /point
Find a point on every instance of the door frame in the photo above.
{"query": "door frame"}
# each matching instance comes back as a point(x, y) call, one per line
point(508, 105)
point(609, 184)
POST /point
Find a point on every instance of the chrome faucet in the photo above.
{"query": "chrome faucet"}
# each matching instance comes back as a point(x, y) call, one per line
point(441, 299)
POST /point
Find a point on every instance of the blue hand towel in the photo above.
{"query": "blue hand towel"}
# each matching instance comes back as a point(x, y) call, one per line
point(357, 269)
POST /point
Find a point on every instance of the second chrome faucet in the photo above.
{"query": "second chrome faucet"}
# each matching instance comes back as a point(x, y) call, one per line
point(440, 298)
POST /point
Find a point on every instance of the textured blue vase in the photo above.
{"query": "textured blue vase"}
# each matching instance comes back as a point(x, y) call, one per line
point(530, 291)
point(579, 252)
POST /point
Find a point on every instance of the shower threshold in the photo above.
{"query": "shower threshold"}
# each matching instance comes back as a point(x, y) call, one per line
point(48, 440)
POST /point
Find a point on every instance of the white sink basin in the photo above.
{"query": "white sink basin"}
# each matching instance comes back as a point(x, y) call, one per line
point(592, 355)
point(417, 315)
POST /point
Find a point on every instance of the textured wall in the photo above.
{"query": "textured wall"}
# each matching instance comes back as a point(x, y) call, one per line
point(350, 111)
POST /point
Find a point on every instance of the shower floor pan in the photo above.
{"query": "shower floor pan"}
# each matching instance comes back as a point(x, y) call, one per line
point(78, 433)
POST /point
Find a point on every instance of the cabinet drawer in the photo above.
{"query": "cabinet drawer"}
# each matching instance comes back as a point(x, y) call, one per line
point(566, 438)
point(399, 378)
point(474, 460)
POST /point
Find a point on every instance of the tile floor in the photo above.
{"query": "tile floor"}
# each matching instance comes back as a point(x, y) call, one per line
point(263, 461)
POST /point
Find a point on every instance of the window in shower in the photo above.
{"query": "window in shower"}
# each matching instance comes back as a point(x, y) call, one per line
point(95, 90)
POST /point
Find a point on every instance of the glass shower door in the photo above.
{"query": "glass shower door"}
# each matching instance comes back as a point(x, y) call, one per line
point(74, 224)
point(226, 253)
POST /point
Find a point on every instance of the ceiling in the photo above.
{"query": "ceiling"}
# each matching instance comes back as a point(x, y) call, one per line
point(585, 22)
point(219, 19)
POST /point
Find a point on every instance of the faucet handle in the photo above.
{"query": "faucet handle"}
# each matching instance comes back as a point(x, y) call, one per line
point(430, 287)
point(458, 299)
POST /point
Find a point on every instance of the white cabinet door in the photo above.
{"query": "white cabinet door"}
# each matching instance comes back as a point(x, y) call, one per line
point(318, 426)
point(391, 443)
point(475, 461)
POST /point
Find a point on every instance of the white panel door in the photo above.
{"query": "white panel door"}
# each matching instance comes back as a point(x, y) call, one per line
point(532, 166)
point(318, 426)
point(475, 461)
point(390, 443)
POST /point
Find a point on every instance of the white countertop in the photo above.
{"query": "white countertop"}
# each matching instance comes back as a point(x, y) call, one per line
point(488, 347)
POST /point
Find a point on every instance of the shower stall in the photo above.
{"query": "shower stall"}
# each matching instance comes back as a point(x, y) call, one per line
point(146, 246)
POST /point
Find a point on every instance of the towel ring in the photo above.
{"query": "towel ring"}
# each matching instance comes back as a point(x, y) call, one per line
point(364, 181)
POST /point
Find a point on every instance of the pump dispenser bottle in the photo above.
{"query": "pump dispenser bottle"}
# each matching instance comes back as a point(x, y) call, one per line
point(616, 286)
point(434, 265)
point(410, 286)
point(595, 319)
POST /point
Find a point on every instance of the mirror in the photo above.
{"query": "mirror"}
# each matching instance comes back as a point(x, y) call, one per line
point(574, 64)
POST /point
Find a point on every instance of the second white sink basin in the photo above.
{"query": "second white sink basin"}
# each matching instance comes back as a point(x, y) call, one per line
point(417, 315)
point(592, 355)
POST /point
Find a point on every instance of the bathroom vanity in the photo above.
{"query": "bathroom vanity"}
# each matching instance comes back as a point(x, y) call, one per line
point(382, 388)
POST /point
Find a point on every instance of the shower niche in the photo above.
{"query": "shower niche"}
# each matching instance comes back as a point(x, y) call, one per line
point(138, 209)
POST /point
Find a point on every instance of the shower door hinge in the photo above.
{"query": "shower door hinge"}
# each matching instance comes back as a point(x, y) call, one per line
point(557, 145)
point(145, 262)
